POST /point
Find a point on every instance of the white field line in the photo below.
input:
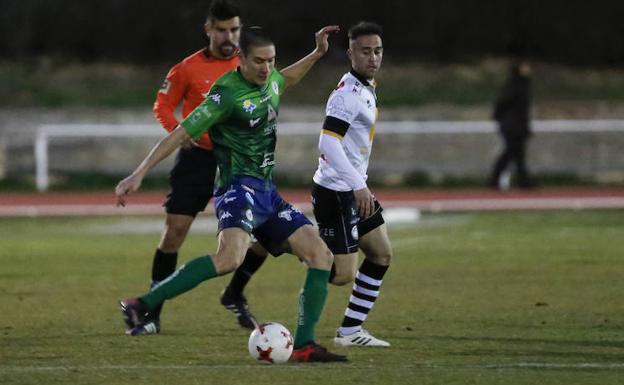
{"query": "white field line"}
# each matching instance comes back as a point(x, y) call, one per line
point(497, 366)
point(434, 205)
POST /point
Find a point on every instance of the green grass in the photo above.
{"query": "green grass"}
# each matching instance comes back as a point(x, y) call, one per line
point(500, 298)
point(62, 83)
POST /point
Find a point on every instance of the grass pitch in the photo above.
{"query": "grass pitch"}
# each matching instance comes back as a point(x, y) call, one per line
point(500, 298)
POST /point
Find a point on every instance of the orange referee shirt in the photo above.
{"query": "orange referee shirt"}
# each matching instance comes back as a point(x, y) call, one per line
point(189, 81)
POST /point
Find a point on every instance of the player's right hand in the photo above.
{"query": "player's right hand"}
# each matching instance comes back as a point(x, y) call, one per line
point(365, 202)
point(127, 186)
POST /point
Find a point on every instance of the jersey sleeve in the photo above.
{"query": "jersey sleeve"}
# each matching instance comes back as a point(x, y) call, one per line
point(341, 111)
point(215, 109)
point(169, 96)
point(334, 154)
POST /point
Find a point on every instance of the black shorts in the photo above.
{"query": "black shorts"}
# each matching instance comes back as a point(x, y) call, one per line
point(192, 181)
point(338, 221)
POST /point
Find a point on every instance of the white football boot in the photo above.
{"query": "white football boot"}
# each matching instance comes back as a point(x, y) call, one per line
point(360, 338)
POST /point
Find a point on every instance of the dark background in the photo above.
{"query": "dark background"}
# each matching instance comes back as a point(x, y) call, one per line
point(573, 32)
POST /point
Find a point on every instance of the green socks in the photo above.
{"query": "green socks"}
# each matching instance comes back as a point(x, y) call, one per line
point(184, 279)
point(311, 303)
point(311, 300)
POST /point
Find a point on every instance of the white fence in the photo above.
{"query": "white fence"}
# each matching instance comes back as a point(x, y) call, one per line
point(48, 132)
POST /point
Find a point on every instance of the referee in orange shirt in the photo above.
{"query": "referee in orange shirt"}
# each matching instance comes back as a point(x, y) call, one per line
point(192, 177)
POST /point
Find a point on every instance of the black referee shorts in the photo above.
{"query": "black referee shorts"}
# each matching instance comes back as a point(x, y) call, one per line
point(192, 181)
point(339, 225)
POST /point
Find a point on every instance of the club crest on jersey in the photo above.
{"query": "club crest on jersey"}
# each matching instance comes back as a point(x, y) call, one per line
point(248, 106)
point(275, 87)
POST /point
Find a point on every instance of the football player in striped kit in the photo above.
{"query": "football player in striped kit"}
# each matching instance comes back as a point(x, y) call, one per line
point(348, 215)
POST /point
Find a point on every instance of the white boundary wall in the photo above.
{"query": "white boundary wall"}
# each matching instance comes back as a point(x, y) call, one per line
point(47, 133)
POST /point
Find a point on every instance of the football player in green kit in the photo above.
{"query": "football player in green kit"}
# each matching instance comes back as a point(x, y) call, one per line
point(240, 115)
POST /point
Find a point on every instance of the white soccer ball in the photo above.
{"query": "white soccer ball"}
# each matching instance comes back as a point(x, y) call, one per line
point(271, 343)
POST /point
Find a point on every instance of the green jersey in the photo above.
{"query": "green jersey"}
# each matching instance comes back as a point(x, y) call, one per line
point(241, 119)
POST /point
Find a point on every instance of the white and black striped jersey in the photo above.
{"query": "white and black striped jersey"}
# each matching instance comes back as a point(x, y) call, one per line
point(351, 114)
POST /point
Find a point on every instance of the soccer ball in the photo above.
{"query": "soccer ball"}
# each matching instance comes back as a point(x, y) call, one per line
point(270, 343)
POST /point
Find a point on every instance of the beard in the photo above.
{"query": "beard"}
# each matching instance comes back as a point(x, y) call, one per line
point(227, 49)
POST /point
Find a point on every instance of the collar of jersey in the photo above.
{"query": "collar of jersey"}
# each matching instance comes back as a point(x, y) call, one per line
point(362, 79)
point(370, 84)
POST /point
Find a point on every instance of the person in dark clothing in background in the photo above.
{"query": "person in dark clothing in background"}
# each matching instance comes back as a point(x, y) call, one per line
point(511, 112)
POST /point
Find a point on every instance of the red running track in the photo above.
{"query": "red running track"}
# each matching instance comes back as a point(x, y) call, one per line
point(149, 203)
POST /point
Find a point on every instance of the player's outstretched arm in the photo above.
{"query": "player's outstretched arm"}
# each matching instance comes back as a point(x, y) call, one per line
point(161, 150)
point(296, 71)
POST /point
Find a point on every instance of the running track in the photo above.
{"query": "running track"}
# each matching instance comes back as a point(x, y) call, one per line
point(149, 203)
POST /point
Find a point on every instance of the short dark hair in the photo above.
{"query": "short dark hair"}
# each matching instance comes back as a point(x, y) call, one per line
point(222, 10)
point(254, 37)
point(364, 28)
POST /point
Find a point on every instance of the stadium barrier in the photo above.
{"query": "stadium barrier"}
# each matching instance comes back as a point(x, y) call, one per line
point(433, 147)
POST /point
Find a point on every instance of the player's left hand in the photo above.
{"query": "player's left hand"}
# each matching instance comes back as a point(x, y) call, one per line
point(322, 45)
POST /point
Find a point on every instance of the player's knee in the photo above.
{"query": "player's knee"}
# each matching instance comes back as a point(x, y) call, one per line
point(227, 263)
point(174, 234)
point(381, 257)
point(320, 257)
